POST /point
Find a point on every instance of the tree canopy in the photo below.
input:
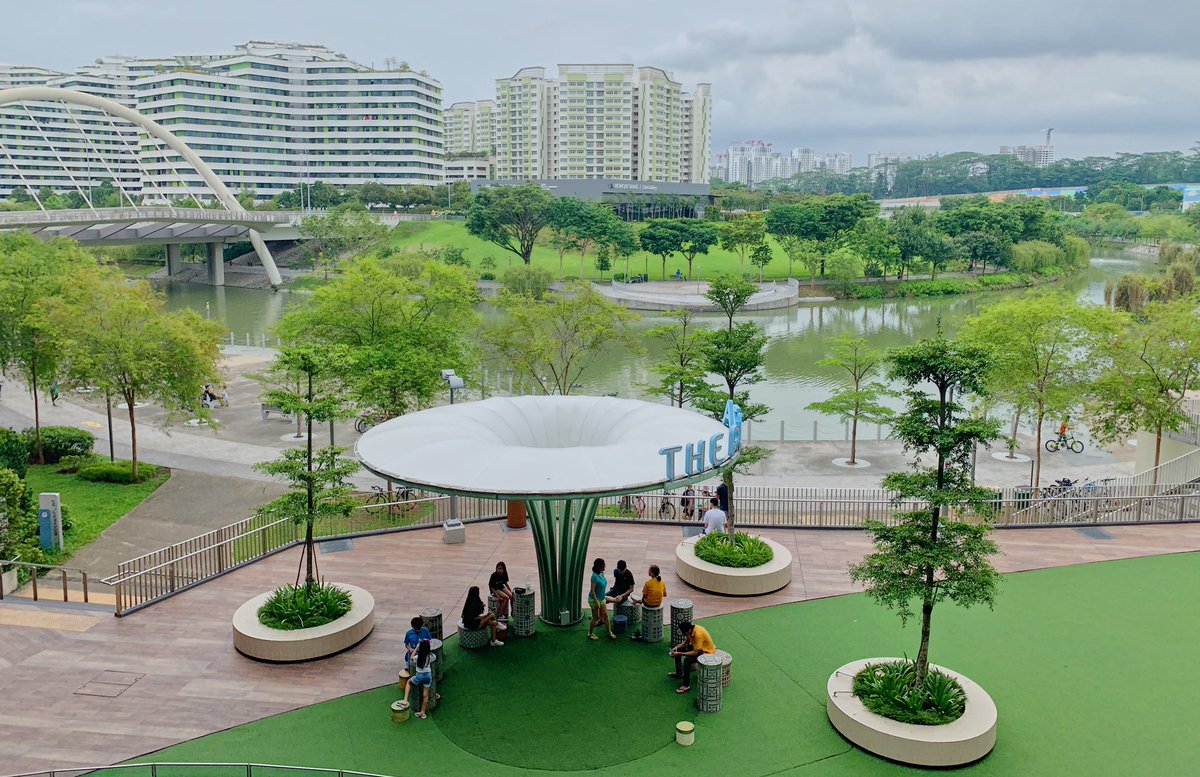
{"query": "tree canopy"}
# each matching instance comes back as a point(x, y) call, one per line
point(511, 216)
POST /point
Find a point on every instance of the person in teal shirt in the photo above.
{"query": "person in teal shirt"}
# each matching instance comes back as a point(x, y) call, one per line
point(598, 601)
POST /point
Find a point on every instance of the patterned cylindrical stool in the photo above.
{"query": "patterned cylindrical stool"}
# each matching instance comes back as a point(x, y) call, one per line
point(652, 623)
point(726, 667)
point(492, 605)
point(631, 611)
point(471, 639)
point(433, 621)
point(400, 711)
point(708, 683)
point(681, 610)
point(685, 733)
point(524, 614)
point(435, 647)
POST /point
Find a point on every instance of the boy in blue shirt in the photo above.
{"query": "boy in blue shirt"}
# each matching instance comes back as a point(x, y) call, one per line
point(413, 639)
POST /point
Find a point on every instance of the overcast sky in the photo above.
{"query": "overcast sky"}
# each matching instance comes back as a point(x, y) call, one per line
point(857, 76)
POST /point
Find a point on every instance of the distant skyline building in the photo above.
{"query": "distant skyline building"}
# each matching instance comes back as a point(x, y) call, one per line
point(1040, 156)
point(601, 121)
point(755, 161)
point(266, 116)
point(471, 128)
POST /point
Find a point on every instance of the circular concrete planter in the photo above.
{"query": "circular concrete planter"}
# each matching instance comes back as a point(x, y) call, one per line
point(733, 581)
point(255, 640)
point(964, 741)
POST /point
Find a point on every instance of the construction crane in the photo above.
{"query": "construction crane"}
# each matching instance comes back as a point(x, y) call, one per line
point(1048, 131)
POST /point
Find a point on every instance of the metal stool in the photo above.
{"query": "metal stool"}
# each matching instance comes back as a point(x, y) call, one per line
point(726, 667)
point(523, 613)
point(433, 621)
point(652, 623)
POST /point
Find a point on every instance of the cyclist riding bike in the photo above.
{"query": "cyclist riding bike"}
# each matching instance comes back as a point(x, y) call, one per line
point(1062, 430)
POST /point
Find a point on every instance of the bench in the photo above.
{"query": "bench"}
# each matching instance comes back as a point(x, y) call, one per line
point(266, 410)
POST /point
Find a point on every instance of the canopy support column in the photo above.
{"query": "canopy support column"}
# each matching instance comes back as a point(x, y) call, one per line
point(561, 531)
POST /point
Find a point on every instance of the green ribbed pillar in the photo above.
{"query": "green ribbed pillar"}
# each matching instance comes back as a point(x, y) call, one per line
point(561, 530)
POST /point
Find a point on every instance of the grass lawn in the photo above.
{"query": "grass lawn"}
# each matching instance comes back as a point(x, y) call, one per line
point(415, 235)
point(93, 507)
point(1089, 666)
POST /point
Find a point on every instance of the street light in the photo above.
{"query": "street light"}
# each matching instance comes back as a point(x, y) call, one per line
point(453, 381)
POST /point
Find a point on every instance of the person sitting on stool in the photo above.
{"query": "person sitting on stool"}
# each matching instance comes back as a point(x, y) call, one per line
point(696, 640)
point(623, 584)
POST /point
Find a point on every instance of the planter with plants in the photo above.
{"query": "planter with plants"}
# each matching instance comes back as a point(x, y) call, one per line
point(310, 618)
point(913, 711)
point(741, 565)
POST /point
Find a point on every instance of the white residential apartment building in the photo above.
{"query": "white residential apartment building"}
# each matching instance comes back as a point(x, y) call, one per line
point(1041, 155)
point(265, 116)
point(755, 161)
point(615, 122)
point(471, 128)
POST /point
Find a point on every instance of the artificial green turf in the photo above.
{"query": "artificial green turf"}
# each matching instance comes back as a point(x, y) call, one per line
point(1092, 668)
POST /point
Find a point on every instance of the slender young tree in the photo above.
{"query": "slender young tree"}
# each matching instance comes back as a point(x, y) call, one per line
point(318, 477)
point(681, 373)
point(859, 397)
point(741, 234)
point(927, 555)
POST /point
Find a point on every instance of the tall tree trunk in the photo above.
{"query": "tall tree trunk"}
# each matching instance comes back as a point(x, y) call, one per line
point(853, 438)
point(130, 400)
point(309, 577)
point(37, 416)
point(1158, 430)
point(1015, 423)
point(922, 663)
point(1037, 455)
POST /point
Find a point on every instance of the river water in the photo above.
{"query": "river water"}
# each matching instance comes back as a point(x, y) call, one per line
point(798, 340)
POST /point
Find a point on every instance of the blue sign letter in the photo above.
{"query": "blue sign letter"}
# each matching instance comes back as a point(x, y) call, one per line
point(670, 454)
point(693, 458)
point(714, 449)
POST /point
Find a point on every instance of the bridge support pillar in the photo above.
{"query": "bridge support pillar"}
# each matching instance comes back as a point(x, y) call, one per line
point(174, 259)
point(216, 264)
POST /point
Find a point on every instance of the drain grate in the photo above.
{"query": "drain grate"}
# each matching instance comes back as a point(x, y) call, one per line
point(109, 684)
point(336, 546)
point(1094, 532)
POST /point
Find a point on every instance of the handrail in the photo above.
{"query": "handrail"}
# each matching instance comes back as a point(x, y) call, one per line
point(33, 578)
point(248, 768)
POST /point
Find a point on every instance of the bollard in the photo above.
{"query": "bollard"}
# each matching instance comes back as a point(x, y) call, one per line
point(814, 431)
point(247, 339)
point(847, 432)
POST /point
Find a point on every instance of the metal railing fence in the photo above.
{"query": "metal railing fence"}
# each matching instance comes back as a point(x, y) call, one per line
point(173, 769)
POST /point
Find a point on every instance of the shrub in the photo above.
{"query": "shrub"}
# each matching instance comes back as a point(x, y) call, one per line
point(618, 276)
point(487, 276)
point(68, 465)
point(302, 607)
point(1033, 255)
point(616, 511)
point(120, 472)
point(531, 281)
point(889, 690)
point(744, 551)
point(59, 441)
point(14, 451)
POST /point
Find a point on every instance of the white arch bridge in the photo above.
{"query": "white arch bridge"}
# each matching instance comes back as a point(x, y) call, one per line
point(84, 145)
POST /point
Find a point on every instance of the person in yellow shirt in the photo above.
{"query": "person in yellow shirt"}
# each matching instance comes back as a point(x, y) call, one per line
point(696, 641)
point(653, 593)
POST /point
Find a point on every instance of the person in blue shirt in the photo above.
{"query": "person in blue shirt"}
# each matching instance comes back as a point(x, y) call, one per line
point(598, 601)
point(413, 639)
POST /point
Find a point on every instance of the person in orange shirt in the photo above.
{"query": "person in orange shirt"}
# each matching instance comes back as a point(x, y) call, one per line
point(653, 593)
point(696, 641)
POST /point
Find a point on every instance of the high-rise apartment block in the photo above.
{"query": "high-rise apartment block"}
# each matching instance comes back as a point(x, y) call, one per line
point(265, 116)
point(1039, 156)
point(471, 128)
point(755, 161)
point(617, 122)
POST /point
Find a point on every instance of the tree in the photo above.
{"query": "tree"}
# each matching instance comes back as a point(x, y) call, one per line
point(873, 241)
point(859, 396)
point(603, 260)
point(1155, 363)
point(511, 216)
point(318, 478)
point(737, 355)
point(798, 229)
point(556, 339)
point(32, 272)
point(760, 257)
point(660, 239)
point(695, 237)
point(681, 373)
point(845, 268)
point(730, 293)
point(1043, 354)
point(399, 327)
point(742, 234)
point(927, 555)
point(348, 228)
point(982, 248)
point(119, 337)
point(578, 225)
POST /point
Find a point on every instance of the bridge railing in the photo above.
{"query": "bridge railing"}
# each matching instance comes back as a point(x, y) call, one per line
point(156, 213)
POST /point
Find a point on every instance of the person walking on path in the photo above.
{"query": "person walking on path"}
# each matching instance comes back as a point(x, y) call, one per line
point(696, 641)
point(598, 601)
point(54, 393)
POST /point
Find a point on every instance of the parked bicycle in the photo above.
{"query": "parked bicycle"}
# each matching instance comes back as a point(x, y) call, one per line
point(381, 500)
point(368, 420)
point(666, 509)
point(1067, 442)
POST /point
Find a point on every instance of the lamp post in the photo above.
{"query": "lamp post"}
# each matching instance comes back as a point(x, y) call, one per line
point(453, 381)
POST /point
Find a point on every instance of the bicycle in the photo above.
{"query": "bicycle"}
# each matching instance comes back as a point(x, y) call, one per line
point(379, 500)
point(368, 420)
point(1066, 441)
point(666, 509)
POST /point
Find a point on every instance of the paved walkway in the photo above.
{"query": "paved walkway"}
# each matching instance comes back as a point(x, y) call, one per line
point(81, 687)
